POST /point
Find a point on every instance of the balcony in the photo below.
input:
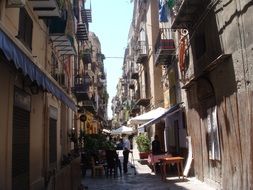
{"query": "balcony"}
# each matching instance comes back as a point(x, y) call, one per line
point(63, 44)
point(141, 52)
point(89, 105)
point(57, 25)
point(134, 111)
point(100, 58)
point(143, 102)
point(86, 56)
point(91, 69)
point(134, 73)
point(86, 15)
point(81, 88)
point(82, 32)
point(187, 13)
point(46, 9)
point(164, 48)
point(131, 84)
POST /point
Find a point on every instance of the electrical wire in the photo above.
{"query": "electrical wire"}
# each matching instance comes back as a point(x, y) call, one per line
point(112, 57)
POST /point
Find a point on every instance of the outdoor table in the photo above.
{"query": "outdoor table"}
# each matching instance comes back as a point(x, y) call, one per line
point(171, 160)
point(153, 159)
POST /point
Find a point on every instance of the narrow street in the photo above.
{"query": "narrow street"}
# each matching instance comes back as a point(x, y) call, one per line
point(84, 82)
point(144, 179)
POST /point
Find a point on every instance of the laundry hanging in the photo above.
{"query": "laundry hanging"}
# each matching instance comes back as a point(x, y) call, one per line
point(163, 12)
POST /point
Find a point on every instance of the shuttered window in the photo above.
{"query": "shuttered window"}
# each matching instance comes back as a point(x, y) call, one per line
point(52, 141)
point(20, 149)
point(25, 28)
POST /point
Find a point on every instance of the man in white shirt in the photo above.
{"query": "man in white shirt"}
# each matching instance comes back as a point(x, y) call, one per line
point(126, 150)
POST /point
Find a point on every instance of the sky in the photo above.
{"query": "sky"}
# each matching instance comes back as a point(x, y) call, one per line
point(110, 22)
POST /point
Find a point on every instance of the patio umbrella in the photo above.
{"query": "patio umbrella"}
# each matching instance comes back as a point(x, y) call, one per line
point(106, 131)
point(122, 130)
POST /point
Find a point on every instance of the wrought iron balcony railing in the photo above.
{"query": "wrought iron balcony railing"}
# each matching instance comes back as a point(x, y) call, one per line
point(86, 56)
point(86, 15)
point(187, 12)
point(82, 32)
point(81, 87)
point(134, 72)
point(165, 47)
point(142, 52)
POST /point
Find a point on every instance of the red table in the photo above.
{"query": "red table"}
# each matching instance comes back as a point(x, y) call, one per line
point(153, 159)
point(171, 160)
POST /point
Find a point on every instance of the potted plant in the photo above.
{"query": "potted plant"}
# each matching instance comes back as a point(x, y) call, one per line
point(143, 145)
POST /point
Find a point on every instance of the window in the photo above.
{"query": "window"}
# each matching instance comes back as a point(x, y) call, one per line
point(54, 65)
point(213, 134)
point(52, 141)
point(25, 28)
point(53, 113)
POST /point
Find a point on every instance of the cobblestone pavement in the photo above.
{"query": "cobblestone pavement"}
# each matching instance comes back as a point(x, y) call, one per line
point(144, 179)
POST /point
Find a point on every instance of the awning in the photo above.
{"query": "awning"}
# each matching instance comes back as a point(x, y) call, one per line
point(21, 61)
point(143, 118)
point(167, 113)
point(122, 130)
point(106, 131)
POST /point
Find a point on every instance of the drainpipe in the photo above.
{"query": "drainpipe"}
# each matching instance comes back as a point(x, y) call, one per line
point(45, 117)
point(45, 132)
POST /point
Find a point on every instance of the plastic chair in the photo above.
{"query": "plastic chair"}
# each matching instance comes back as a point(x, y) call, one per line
point(96, 168)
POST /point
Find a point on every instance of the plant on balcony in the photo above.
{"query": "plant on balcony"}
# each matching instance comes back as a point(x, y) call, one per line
point(86, 51)
point(86, 55)
point(143, 145)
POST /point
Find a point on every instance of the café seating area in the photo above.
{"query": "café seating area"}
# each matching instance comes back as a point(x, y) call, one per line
point(164, 160)
point(104, 163)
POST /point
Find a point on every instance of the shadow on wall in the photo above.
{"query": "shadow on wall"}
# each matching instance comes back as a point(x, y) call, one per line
point(210, 89)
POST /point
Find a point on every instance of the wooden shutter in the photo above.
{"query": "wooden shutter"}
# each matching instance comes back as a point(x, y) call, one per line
point(52, 141)
point(20, 149)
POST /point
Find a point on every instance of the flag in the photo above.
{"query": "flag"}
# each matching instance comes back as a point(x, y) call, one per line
point(163, 13)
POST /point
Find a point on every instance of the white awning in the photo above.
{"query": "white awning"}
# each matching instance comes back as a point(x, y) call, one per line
point(168, 112)
point(140, 119)
point(106, 131)
point(122, 130)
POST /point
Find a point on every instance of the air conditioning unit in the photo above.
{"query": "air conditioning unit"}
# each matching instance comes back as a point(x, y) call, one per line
point(16, 3)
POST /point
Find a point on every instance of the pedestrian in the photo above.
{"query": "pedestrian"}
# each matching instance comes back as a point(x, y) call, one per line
point(156, 147)
point(126, 150)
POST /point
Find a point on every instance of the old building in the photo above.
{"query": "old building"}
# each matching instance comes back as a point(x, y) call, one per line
point(94, 105)
point(37, 108)
point(215, 54)
point(151, 75)
point(200, 53)
point(41, 58)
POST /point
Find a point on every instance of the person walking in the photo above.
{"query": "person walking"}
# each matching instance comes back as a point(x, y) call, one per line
point(126, 150)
